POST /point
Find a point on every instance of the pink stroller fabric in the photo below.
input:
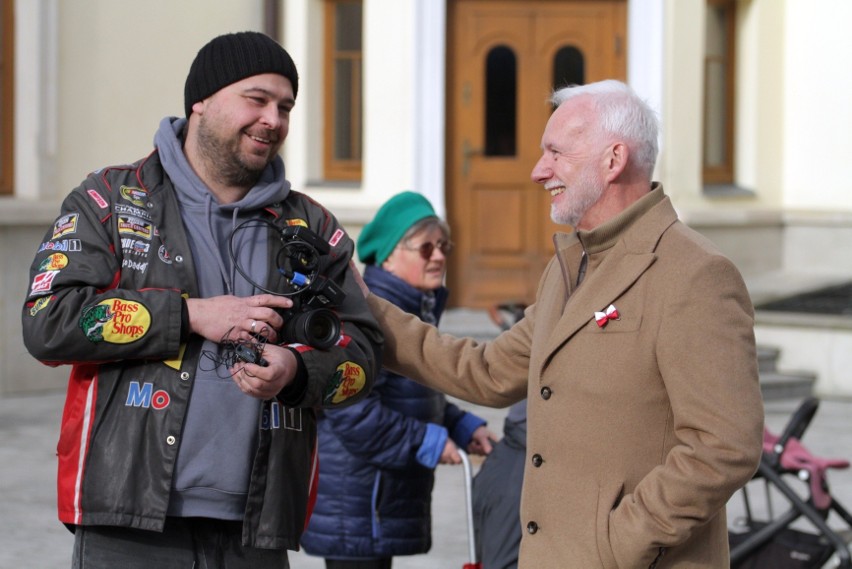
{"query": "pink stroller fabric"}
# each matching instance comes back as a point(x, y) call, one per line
point(795, 457)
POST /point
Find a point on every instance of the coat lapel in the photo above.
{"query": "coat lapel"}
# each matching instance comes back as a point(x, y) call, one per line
point(628, 259)
point(616, 273)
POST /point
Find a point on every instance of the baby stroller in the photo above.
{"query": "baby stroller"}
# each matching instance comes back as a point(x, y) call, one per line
point(789, 469)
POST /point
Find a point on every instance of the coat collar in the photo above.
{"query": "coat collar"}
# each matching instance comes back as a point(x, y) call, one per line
point(631, 255)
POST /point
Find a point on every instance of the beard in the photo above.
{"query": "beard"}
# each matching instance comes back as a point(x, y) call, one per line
point(577, 199)
point(224, 156)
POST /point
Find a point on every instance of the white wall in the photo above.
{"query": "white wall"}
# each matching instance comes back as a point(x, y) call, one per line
point(818, 113)
point(122, 67)
point(388, 83)
point(680, 165)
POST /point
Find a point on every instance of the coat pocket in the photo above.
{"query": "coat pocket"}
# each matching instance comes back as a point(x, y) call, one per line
point(622, 325)
point(608, 498)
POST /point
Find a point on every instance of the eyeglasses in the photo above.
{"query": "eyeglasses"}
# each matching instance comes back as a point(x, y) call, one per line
point(426, 249)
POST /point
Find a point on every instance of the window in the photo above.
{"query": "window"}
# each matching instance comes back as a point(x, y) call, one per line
point(500, 102)
point(342, 105)
point(718, 153)
point(6, 91)
point(569, 67)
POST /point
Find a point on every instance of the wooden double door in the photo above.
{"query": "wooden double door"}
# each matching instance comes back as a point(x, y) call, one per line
point(504, 59)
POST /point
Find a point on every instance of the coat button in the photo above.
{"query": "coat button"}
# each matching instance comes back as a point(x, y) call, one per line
point(546, 393)
point(170, 440)
point(537, 460)
point(532, 527)
point(184, 375)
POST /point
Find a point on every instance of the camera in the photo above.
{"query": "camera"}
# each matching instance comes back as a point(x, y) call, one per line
point(310, 320)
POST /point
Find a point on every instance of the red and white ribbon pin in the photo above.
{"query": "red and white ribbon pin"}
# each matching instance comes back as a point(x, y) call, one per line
point(611, 313)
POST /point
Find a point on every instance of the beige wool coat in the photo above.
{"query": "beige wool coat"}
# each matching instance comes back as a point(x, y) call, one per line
point(639, 430)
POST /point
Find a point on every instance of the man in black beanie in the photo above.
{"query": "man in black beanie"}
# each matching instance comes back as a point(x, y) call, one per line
point(188, 437)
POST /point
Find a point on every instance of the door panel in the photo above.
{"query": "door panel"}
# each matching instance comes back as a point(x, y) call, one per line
point(500, 218)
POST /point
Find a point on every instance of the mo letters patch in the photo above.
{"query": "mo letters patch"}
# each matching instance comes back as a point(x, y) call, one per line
point(115, 321)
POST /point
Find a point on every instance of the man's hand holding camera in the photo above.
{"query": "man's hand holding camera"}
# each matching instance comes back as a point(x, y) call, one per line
point(247, 320)
point(234, 318)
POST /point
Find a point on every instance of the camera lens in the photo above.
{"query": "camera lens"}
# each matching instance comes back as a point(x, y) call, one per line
point(319, 328)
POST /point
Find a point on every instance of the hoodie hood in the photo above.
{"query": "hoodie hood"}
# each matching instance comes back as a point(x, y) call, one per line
point(271, 188)
point(211, 226)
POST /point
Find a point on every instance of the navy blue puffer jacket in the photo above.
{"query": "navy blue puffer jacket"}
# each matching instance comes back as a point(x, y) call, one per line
point(377, 457)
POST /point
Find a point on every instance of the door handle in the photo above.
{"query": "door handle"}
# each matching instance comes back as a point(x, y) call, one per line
point(468, 152)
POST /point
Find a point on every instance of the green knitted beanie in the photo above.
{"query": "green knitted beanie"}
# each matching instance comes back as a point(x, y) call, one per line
point(379, 237)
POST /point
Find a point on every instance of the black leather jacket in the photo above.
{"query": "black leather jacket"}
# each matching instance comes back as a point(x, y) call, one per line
point(105, 296)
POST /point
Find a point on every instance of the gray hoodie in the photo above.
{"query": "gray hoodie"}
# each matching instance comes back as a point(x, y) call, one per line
point(220, 434)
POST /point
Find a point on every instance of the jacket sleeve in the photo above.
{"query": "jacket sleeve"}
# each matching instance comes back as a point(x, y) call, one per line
point(76, 309)
point(491, 373)
point(377, 434)
point(461, 424)
point(707, 358)
point(344, 373)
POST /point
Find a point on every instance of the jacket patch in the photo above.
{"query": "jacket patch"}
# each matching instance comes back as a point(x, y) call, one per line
point(164, 255)
point(67, 245)
point(98, 199)
point(134, 265)
point(297, 221)
point(349, 380)
point(123, 209)
point(38, 304)
point(43, 282)
point(115, 321)
point(136, 196)
point(129, 225)
point(65, 225)
point(276, 416)
point(143, 395)
point(335, 239)
point(54, 262)
point(131, 246)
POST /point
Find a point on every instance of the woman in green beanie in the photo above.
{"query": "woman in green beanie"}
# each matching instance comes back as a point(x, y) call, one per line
point(378, 456)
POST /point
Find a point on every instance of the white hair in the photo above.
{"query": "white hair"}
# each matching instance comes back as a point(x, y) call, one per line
point(621, 112)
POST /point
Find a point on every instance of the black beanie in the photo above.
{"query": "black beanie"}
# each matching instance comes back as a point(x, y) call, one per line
point(231, 57)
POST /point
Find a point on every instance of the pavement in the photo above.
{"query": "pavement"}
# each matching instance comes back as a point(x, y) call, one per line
point(32, 538)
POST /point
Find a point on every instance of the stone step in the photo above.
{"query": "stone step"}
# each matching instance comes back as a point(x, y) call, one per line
point(767, 358)
point(776, 385)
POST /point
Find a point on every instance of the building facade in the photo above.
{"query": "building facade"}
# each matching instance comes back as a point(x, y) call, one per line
point(449, 98)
